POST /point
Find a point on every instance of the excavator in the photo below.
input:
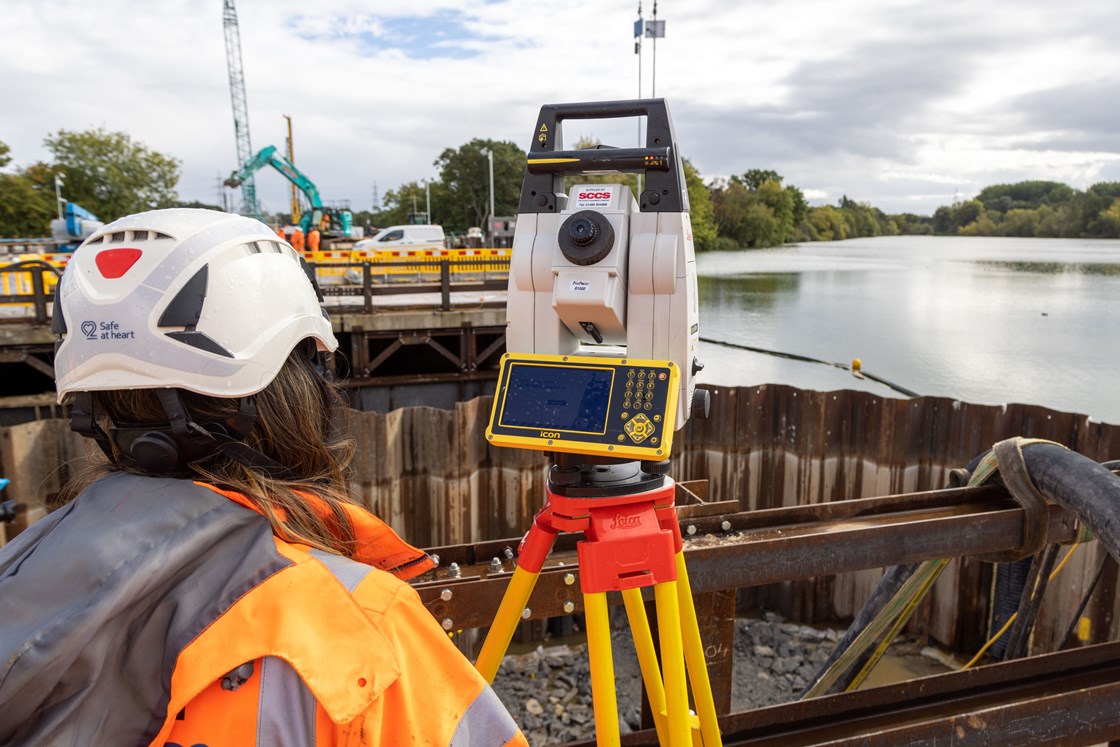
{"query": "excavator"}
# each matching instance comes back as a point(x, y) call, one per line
point(332, 222)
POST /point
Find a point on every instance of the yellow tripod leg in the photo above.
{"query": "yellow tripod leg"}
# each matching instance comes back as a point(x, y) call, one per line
point(647, 658)
point(603, 696)
point(672, 661)
point(505, 622)
point(697, 664)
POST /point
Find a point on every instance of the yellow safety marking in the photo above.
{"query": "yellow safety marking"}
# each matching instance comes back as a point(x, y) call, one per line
point(553, 160)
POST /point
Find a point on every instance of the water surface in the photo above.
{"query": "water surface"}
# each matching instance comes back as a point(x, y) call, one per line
point(985, 320)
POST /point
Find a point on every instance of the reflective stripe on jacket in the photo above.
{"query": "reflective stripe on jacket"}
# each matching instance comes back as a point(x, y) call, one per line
point(381, 672)
point(123, 610)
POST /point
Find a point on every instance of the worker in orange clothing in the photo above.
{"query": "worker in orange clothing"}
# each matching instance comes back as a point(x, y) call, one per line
point(212, 581)
point(280, 232)
point(313, 240)
point(297, 239)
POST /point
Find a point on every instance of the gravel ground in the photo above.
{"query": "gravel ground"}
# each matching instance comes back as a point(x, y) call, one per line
point(548, 691)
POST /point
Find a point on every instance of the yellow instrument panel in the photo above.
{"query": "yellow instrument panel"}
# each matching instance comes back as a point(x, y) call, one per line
point(618, 407)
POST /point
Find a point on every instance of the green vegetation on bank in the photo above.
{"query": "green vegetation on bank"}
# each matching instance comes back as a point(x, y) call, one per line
point(755, 210)
point(1035, 208)
point(112, 175)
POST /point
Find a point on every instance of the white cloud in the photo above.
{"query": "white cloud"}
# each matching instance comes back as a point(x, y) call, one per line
point(901, 104)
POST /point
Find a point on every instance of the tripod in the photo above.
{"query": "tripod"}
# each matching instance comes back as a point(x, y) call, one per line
point(632, 540)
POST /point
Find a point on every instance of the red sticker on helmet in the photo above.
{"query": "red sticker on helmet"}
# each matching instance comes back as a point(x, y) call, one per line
point(116, 262)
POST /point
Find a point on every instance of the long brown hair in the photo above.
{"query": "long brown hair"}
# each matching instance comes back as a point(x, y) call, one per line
point(299, 425)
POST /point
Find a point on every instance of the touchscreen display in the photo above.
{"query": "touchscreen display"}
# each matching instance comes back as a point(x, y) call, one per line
point(557, 398)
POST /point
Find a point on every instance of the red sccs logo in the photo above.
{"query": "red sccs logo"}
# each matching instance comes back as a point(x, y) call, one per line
point(594, 195)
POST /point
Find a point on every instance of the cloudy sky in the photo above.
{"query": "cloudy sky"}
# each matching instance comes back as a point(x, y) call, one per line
point(906, 104)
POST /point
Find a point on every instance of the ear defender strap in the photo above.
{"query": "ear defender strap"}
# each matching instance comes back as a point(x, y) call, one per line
point(164, 449)
point(156, 450)
point(83, 421)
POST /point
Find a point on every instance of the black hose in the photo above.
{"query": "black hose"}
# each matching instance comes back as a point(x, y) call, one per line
point(1007, 593)
point(1089, 491)
point(1086, 489)
point(1019, 636)
point(1081, 486)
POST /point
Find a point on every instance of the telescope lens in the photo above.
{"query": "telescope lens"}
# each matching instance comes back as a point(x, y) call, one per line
point(585, 237)
point(582, 231)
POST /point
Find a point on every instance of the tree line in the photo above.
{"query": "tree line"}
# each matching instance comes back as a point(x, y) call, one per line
point(113, 175)
point(1035, 208)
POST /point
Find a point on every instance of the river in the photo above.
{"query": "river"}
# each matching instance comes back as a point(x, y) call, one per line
point(983, 320)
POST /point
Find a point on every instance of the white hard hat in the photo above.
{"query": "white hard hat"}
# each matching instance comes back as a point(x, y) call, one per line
point(200, 300)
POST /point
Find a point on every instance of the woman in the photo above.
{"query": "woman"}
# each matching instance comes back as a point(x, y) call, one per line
point(212, 583)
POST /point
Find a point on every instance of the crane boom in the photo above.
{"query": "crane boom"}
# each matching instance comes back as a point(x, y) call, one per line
point(269, 156)
point(249, 204)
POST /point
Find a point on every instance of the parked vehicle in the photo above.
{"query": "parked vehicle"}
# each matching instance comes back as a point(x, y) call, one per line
point(404, 237)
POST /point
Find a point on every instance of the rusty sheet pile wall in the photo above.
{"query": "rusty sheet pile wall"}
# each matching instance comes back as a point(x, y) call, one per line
point(430, 473)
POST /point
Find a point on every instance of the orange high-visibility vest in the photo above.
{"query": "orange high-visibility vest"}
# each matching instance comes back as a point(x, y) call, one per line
point(313, 240)
point(331, 651)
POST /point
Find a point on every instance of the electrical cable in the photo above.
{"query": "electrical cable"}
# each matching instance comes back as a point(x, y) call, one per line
point(1020, 633)
point(1084, 602)
point(1011, 619)
point(900, 604)
point(891, 634)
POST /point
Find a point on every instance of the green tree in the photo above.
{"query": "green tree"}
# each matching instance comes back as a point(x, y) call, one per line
point(781, 202)
point(754, 209)
point(1110, 221)
point(755, 178)
point(398, 203)
point(730, 200)
point(943, 221)
point(827, 224)
point(26, 205)
point(111, 175)
point(1110, 190)
point(1029, 194)
point(912, 224)
point(464, 175)
point(761, 227)
point(25, 209)
point(1019, 222)
point(700, 209)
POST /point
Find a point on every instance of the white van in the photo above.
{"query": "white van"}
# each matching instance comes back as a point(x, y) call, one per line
point(404, 237)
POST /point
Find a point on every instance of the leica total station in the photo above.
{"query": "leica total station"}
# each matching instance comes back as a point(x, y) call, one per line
point(602, 338)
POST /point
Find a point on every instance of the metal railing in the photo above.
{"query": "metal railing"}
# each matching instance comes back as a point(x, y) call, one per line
point(29, 284)
point(365, 280)
point(352, 286)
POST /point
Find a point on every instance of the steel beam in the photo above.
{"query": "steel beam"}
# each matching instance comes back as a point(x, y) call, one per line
point(1066, 698)
point(758, 547)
